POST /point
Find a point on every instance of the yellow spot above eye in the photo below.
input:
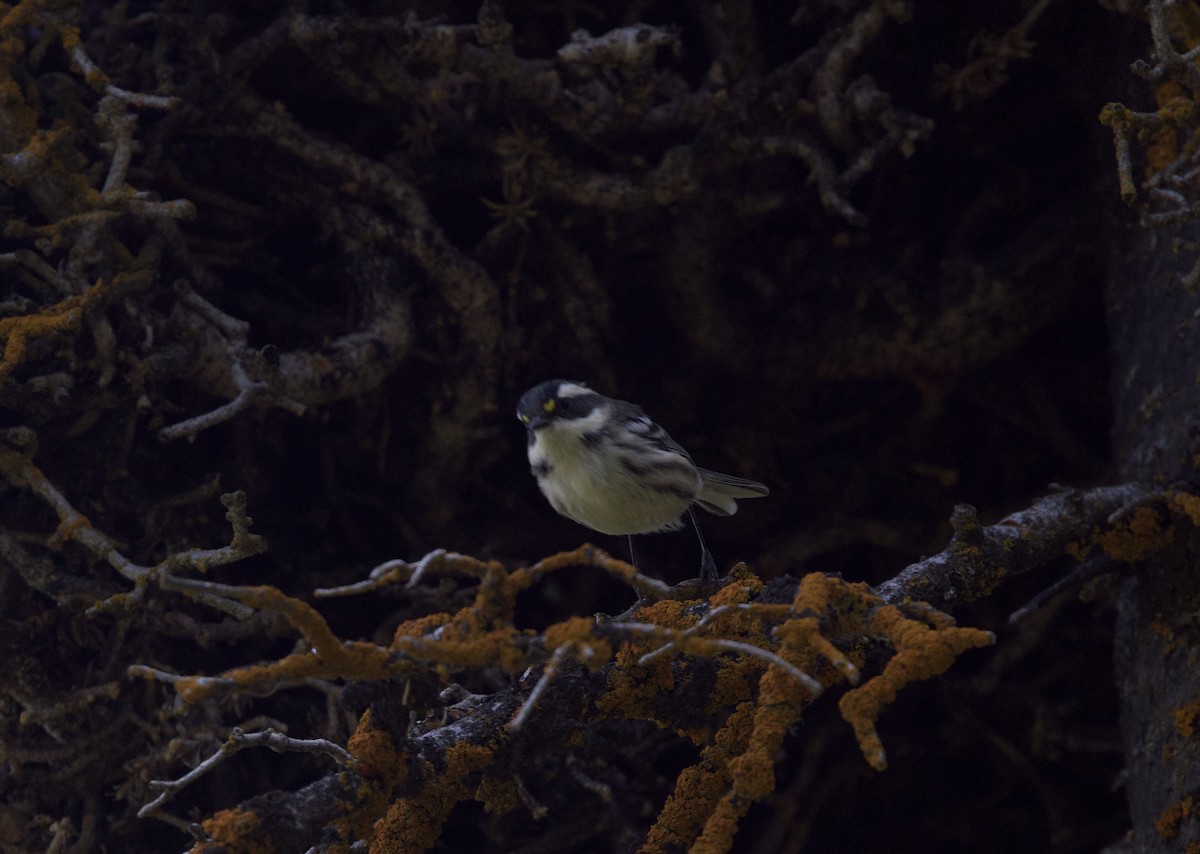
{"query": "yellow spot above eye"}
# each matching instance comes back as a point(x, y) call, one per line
point(548, 405)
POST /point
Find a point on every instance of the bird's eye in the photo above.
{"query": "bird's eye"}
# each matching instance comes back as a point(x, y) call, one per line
point(549, 405)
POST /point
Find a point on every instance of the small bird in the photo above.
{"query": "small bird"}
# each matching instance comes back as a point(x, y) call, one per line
point(608, 466)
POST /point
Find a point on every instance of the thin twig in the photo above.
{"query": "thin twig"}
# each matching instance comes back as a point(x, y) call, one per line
point(548, 674)
point(91, 71)
point(771, 658)
point(704, 621)
point(731, 646)
point(237, 741)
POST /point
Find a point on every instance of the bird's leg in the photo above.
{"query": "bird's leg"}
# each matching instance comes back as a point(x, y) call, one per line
point(632, 551)
point(708, 567)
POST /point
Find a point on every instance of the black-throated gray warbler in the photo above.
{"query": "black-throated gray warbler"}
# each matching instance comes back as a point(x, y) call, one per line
point(608, 466)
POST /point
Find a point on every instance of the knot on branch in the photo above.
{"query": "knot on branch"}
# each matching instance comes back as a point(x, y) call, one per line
point(965, 522)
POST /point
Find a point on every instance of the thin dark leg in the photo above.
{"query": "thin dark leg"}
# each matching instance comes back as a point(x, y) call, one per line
point(632, 551)
point(708, 567)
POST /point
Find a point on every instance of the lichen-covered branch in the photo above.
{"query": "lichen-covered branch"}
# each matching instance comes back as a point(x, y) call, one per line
point(770, 655)
point(1168, 138)
point(17, 467)
point(1117, 520)
point(763, 652)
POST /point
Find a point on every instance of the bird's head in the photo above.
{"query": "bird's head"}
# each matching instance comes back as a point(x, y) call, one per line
point(554, 402)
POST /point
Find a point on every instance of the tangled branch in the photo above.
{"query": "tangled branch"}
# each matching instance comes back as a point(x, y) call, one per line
point(771, 652)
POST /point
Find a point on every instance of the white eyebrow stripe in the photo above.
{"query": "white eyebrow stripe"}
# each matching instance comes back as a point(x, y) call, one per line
point(573, 390)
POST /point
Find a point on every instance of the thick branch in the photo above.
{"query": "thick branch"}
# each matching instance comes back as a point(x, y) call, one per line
point(978, 558)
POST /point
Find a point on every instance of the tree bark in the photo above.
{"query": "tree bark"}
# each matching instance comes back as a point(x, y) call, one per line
point(1156, 348)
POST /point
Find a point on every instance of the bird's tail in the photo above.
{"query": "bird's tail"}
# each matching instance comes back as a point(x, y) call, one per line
point(719, 492)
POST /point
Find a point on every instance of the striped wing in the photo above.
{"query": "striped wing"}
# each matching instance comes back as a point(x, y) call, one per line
point(643, 425)
point(718, 492)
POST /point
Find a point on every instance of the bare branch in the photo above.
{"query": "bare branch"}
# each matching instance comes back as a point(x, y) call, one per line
point(237, 741)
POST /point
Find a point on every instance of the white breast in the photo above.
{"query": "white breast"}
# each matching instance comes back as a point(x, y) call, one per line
point(598, 491)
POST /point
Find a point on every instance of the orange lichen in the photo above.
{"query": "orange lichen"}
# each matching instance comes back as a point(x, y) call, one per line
point(232, 830)
point(375, 751)
point(632, 687)
point(669, 613)
point(1185, 718)
point(752, 774)
point(780, 700)
point(1163, 147)
point(585, 555)
point(768, 661)
point(579, 633)
point(328, 658)
point(1173, 816)
point(63, 316)
point(498, 795)
point(414, 823)
point(575, 630)
point(1136, 537)
point(735, 683)
point(384, 770)
point(722, 786)
point(699, 787)
point(356, 660)
point(496, 647)
point(743, 586)
point(634, 684)
point(921, 653)
point(820, 594)
point(1186, 504)
point(420, 626)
